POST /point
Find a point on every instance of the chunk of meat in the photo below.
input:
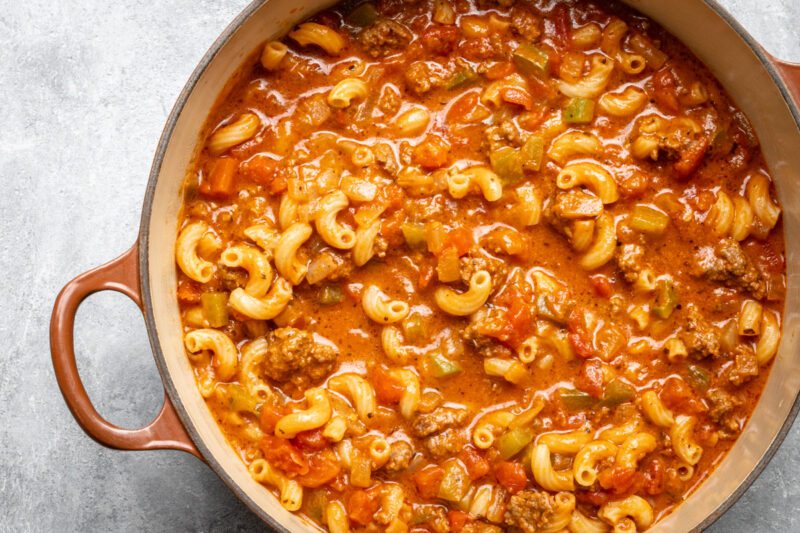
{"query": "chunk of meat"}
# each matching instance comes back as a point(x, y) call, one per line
point(483, 321)
point(442, 418)
point(384, 37)
point(745, 365)
point(722, 409)
point(441, 39)
point(480, 527)
point(473, 263)
point(433, 516)
point(504, 134)
point(701, 339)
point(422, 76)
point(293, 356)
point(447, 443)
point(400, 454)
point(525, 23)
point(728, 264)
point(629, 261)
point(530, 510)
point(576, 204)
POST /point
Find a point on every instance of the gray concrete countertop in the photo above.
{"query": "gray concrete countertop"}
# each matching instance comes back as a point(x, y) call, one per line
point(85, 88)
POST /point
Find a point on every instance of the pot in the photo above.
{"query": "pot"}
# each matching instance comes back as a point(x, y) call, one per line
point(762, 86)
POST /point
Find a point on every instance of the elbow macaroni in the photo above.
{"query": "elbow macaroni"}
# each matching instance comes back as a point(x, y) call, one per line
point(286, 260)
point(466, 303)
point(593, 177)
point(593, 83)
point(189, 262)
point(326, 38)
point(228, 136)
point(382, 309)
point(604, 245)
point(225, 352)
point(314, 416)
point(459, 184)
point(265, 308)
point(359, 391)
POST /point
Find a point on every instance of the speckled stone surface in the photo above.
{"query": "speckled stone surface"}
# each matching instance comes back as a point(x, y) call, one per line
point(85, 88)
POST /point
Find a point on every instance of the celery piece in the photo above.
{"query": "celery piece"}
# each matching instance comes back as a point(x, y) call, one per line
point(442, 367)
point(579, 111)
point(215, 308)
point(648, 220)
point(314, 504)
point(531, 60)
point(362, 16)
point(698, 377)
point(617, 392)
point(576, 400)
point(330, 295)
point(455, 483)
point(533, 153)
point(239, 398)
point(507, 164)
point(666, 299)
point(414, 234)
point(461, 78)
point(415, 329)
point(512, 442)
point(360, 469)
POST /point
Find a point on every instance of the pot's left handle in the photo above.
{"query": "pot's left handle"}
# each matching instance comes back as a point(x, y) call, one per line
point(122, 275)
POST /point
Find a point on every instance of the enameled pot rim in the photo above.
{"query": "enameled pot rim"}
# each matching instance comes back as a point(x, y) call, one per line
point(229, 32)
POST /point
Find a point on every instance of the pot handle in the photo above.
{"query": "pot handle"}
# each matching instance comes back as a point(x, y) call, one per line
point(122, 275)
point(790, 72)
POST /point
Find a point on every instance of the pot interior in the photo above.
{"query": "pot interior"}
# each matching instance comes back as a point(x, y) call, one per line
point(694, 22)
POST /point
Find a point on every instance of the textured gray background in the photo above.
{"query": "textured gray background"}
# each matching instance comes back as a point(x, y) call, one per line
point(84, 92)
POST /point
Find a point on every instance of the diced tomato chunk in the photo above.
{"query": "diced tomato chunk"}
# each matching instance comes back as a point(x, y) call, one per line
point(310, 440)
point(562, 26)
point(457, 520)
point(500, 70)
point(262, 169)
point(270, 414)
point(679, 396)
point(432, 152)
point(511, 476)
point(391, 196)
point(189, 291)
point(591, 378)
point(220, 179)
point(664, 90)
point(281, 454)
point(361, 507)
point(462, 106)
point(440, 39)
point(579, 335)
point(461, 239)
point(691, 157)
point(428, 481)
point(601, 285)
point(427, 271)
point(594, 497)
point(391, 229)
point(517, 96)
point(477, 465)
point(388, 390)
point(618, 480)
point(653, 473)
point(322, 469)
